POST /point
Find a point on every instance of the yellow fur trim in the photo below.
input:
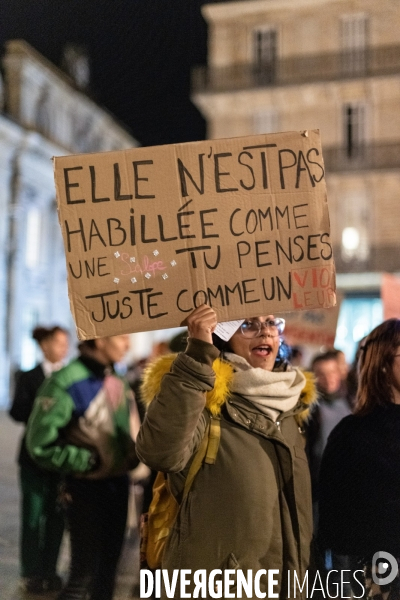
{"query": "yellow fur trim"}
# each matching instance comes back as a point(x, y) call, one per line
point(220, 393)
point(152, 376)
point(156, 370)
point(308, 397)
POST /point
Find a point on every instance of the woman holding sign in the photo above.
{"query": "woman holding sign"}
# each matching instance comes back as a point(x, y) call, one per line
point(248, 505)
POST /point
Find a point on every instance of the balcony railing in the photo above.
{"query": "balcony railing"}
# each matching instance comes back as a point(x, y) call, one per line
point(366, 157)
point(384, 60)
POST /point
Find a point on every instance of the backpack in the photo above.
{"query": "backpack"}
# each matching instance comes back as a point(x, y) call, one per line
point(156, 524)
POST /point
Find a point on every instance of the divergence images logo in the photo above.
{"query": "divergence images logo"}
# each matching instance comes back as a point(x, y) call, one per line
point(384, 568)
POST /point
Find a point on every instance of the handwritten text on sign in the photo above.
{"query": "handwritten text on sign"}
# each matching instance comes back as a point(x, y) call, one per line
point(151, 233)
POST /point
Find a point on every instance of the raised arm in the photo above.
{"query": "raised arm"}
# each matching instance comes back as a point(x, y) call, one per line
point(176, 418)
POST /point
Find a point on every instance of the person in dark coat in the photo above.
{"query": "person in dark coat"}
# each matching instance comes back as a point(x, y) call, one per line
point(42, 522)
point(80, 427)
point(332, 406)
point(359, 484)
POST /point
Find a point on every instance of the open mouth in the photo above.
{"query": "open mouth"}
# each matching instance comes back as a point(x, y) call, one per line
point(262, 350)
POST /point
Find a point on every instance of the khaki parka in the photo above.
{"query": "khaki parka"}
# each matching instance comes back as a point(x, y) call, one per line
point(252, 508)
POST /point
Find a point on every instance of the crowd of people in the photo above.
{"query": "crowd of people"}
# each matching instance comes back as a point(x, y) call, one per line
point(271, 466)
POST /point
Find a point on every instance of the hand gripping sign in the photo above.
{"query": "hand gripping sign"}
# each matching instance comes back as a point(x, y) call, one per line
point(241, 224)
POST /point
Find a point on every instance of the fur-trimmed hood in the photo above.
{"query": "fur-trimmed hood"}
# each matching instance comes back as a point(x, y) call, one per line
point(215, 399)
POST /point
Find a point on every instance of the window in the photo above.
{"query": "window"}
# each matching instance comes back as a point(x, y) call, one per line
point(265, 121)
point(354, 218)
point(33, 235)
point(353, 34)
point(29, 349)
point(265, 54)
point(43, 112)
point(354, 129)
point(358, 316)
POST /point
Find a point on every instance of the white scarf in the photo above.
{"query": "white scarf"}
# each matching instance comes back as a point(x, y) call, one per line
point(49, 367)
point(271, 392)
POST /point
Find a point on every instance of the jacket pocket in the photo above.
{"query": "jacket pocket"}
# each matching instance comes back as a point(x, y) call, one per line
point(232, 562)
point(299, 452)
point(229, 563)
point(239, 591)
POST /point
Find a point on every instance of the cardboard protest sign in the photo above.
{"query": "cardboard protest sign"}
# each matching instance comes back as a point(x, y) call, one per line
point(390, 295)
point(313, 327)
point(150, 233)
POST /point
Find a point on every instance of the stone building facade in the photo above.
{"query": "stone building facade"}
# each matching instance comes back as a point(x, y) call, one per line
point(333, 65)
point(42, 114)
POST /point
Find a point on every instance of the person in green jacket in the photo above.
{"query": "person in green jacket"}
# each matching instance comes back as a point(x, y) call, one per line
point(251, 508)
point(80, 427)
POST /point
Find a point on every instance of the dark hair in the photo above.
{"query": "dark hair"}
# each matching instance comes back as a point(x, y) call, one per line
point(295, 352)
point(324, 357)
point(375, 364)
point(43, 333)
point(282, 356)
point(87, 345)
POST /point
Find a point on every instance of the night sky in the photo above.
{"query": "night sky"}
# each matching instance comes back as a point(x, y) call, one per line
point(141, 54)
